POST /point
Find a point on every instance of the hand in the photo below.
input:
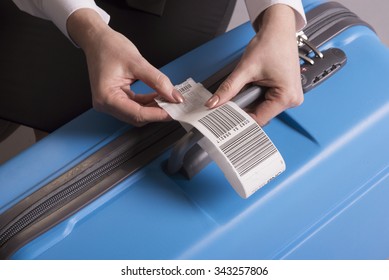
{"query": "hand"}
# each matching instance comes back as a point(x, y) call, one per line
point(270, 60)
point(114, 63)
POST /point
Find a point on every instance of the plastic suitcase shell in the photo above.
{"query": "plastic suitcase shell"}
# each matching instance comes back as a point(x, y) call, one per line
point(330, 203)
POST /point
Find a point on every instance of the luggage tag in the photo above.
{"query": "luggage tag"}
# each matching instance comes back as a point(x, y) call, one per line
point(234, 140)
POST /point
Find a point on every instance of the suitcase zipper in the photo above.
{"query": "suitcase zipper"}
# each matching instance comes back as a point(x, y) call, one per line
point(35, 212)
point(45, 209)
point(322, 23)
point(325, 22)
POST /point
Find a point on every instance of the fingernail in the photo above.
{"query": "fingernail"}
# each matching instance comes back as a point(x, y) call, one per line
point(212, 102)
point(177, 96)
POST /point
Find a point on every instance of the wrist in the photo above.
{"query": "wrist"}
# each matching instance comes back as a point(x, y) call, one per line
point(278, 17)
point(85, 26)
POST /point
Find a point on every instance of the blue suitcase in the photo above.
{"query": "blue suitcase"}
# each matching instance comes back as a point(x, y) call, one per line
point(98, 189)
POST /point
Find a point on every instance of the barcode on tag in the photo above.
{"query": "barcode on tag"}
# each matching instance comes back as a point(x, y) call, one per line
point(248, 149)
point(184, 88)
point(223, 120)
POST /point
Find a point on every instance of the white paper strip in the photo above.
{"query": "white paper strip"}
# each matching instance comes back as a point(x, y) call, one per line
point(239, 146)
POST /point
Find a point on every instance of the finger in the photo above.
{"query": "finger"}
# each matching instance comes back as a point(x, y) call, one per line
point(266, 111)
point(159, 82)
point(141, 98)
point(145, 98)
point(127, 110)
point(229, 88)
point(128, 91)
point(152, 114)
point(153, 103)
point(275, 103)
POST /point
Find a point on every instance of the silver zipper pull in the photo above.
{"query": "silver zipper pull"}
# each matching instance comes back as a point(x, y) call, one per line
point(306, 58)
point(302, 40)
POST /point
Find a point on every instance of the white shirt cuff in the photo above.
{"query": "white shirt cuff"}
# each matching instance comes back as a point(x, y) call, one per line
point(58, 11)
point(256, 7)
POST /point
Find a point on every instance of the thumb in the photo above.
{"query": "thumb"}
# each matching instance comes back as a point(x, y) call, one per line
point(160, 83)
point(228, 88)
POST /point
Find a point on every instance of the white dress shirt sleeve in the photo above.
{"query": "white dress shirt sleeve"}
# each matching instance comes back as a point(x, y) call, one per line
point(58, 11)
point(256, 7)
